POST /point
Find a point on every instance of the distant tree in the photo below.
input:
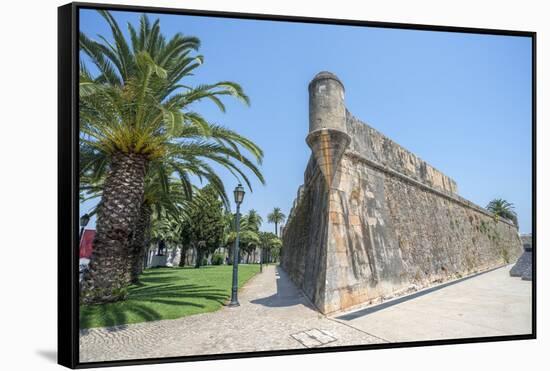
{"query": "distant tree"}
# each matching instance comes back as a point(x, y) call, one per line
point(504, 209)
point(276, 217)
point(164, 231)
point(275, 250)
point(249, 229)
point(270, 245)
point(250, 225)
point(206, 224)
point(253, 220)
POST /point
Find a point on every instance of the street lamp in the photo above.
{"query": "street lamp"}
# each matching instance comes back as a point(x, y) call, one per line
point(261, 258)
point(84, 219)
point(239, 195)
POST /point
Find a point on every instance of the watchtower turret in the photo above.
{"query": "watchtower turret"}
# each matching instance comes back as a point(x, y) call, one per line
point(327, 138)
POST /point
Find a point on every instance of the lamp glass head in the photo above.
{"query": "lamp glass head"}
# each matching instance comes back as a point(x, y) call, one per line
point(239, 194)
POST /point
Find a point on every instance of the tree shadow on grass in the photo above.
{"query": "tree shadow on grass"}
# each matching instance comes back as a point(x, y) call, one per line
point(140, 302)
point(175, 290)
point(157, 272)
point(162, 278)
point(158, 279)
point(183, 291)
point(161, 293)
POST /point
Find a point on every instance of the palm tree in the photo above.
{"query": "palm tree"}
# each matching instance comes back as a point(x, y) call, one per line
point(164, 231)
point(276, 217)
point(161, 201)
point(161, 195)
point(249, 229)
point(134, 115)
point(504, 209)
point(252, 221)
point(270, 244)
point(170, 204)
point(251, 224)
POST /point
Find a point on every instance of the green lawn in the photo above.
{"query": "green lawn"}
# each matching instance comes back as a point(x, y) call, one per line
point(168, 293)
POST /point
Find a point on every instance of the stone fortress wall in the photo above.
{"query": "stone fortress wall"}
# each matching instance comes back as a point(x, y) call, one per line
point(373, 220)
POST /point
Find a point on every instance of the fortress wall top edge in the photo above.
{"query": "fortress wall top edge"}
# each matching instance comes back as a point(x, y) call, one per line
point(375, 146)
point(447, 195)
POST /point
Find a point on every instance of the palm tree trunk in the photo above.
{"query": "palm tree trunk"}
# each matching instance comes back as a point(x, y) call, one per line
point(276, 233)
point(183, 256)
point(140, 241)
point(198, 260)
point(118, 212)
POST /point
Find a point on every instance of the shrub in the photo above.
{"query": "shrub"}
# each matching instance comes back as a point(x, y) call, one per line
point(217, 259)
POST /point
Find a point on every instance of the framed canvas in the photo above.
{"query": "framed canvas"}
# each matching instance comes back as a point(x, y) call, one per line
point(243, 185)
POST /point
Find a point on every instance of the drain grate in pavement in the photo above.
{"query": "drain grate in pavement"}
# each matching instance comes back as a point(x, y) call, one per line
point(313, 338)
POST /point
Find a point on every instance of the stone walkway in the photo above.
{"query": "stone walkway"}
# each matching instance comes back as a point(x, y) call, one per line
point(274, 315)
point(488, 304)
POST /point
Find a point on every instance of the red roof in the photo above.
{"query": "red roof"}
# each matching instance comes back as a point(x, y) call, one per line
point(86, 245)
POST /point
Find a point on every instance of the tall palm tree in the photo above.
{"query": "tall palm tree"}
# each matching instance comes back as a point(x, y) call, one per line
point(160, 202)
point(504, 209)
point(162, 195)
point(252, 220)
point(276, 217)
point(135, 114)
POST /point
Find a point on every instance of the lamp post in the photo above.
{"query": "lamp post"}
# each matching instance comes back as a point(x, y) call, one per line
point(84, 219)
point(261, 258)
point(239, 195)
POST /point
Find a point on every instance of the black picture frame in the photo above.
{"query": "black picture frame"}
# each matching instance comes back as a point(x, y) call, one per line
point(68, 201)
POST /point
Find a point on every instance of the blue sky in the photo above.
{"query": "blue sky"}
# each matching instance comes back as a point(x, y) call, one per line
point(462, 102)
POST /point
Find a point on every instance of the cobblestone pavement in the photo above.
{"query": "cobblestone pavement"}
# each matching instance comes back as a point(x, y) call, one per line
point(273, 315)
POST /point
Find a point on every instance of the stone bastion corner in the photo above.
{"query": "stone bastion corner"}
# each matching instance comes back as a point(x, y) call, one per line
point(373, 220)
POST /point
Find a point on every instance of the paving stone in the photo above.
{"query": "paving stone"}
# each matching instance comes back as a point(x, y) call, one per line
point(313, 338)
